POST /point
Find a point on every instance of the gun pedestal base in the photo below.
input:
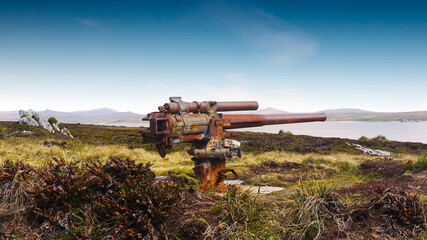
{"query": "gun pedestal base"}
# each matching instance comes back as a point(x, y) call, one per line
point(211, 172)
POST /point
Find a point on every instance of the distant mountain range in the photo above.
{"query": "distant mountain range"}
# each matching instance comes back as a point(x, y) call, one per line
point(344, 110)
point(100, 116)
point(107, 116)
point(353, 114)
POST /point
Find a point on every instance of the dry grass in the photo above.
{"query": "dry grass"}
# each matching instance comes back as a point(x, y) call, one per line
point(37, 152)
point(306, 210)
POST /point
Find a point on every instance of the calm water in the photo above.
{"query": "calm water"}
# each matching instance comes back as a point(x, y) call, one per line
point(397, 131)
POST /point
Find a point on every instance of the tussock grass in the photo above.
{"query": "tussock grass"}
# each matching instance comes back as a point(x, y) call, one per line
point(37, 153)
point(243, 217)
point(421, 163)
point(305, 212)
point(311, 209)
point(13, 183)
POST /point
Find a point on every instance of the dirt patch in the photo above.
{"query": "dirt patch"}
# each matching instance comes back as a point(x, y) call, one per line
point(393, 209)
point(393, 175)
point(391, 213)
point(275, 167)
point(192, 216)
point(18, 226)
point(285, 172)
point(383, 168)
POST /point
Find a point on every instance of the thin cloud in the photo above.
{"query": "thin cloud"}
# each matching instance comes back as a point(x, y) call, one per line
point(90, 23)
point(235, 77)
point(291, 100)
point(269, 37)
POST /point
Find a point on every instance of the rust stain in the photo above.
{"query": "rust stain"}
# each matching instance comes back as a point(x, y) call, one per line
point(200, 123)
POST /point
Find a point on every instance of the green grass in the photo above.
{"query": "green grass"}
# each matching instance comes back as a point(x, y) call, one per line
point(377, 138)
point(421, 163)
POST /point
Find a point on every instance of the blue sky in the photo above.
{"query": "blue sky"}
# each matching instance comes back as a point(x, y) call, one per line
point(298, 56)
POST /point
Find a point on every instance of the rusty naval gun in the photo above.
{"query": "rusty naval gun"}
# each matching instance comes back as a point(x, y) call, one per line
point(202, 125)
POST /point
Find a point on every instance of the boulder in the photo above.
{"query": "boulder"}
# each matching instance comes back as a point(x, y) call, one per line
point(36, 119)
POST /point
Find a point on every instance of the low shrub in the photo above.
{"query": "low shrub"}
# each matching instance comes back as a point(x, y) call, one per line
point(364, 138)
point(185, 181)
point(281, 132)
point(377, 138)
point(395, 213)
point(52, 120)
point(117, 199)
point(421, 163)
point(380, 138)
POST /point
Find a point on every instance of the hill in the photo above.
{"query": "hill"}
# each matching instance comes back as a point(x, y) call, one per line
point(100, 116)
point(378, 117)
point(9, 115)
point(107, 116)
point(345, 110)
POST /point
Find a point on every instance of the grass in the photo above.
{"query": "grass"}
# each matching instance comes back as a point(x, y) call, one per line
point(307, 211)
point(37, 151)
point(309, 208)
point(421, 163)
point(377, 138)
point(339, 169)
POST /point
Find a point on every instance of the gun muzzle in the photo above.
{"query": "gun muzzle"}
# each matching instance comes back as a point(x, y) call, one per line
point(254, 120)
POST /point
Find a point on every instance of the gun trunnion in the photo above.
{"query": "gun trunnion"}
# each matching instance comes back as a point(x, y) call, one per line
point(201, 124)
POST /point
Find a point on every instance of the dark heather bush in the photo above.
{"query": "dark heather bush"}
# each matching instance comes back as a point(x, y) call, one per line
point(119, 199)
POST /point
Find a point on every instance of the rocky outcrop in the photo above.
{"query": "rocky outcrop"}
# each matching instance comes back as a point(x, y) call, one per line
point(36, 119)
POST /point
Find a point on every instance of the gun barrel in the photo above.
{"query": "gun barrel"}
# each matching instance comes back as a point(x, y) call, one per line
point(237, 106)
point(202, 107)
point(255, 120)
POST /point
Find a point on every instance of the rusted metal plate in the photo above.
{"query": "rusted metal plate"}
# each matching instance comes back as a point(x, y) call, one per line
point(211, 172)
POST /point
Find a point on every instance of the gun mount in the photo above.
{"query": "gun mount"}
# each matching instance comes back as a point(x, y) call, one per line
point(201, 124)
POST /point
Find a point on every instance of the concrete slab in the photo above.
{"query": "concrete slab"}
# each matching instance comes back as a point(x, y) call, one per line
point(254, 189)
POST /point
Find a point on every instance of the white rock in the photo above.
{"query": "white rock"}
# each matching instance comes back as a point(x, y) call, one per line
point(55, 125)
point(253, 189)
point(370, 151)
point(36, 119)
